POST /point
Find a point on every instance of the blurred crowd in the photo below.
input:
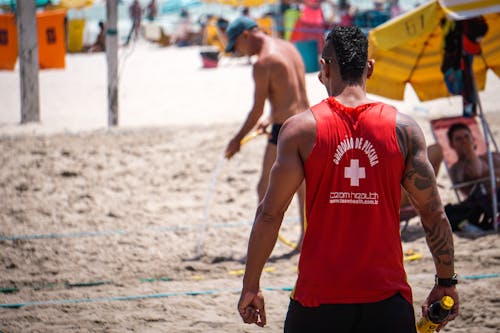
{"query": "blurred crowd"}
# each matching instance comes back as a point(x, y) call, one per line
point(294, 20)
point(291, 19)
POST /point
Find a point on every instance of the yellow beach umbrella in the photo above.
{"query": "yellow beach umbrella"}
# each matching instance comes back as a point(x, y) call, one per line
point(460, 9)
point(409, 49)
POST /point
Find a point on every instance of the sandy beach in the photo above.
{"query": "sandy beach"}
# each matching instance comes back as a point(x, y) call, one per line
point(143, 227)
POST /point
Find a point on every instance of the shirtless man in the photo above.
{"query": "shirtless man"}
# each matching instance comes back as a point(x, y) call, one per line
point(279, 76)
point(469, 166)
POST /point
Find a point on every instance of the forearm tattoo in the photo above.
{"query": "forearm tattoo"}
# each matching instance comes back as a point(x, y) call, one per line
point(420, 179)
point(440, 243)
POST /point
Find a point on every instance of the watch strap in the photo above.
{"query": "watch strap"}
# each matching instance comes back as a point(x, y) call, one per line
point(446, 282)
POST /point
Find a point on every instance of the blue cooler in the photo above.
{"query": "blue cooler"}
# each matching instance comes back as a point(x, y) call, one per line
point(308, 49)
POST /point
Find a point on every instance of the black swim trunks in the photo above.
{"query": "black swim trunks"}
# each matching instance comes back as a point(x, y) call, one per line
point(273, 138)
point(394, 314)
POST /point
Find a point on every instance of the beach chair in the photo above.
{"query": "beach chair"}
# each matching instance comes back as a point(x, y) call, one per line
point(439, 128)
point(475, 203)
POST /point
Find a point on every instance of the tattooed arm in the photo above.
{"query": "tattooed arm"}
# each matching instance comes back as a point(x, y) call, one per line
point(420, 184)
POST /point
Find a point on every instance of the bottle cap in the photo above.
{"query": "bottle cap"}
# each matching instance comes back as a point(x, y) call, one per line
point(447, 302)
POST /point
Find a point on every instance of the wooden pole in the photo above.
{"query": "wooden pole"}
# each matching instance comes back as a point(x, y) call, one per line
point(487, 135)
point(28, 61)
point(112, 60)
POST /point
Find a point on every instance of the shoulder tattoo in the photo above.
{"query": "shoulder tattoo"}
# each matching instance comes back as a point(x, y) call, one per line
point(412, 145)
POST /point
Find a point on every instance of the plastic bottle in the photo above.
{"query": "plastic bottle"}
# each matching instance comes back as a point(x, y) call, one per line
point(437, 313)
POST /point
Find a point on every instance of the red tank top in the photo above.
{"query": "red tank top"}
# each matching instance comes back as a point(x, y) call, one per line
point(352, 249)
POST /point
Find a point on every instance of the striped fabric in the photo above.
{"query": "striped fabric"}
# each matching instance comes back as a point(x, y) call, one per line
point(464, 9)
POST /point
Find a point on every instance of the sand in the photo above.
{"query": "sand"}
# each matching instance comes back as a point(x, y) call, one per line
point(99, 227)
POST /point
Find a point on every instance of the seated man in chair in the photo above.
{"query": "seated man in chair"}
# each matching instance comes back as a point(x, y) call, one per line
point(469, 166)
point(475, 210)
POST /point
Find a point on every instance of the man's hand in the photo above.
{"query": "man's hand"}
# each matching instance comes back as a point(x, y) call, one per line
point(232, 148)
point(435, 295)
point(251, 308)
point(263, 124)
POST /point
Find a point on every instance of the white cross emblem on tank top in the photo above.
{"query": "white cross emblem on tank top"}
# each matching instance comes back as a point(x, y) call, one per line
point(354, 173)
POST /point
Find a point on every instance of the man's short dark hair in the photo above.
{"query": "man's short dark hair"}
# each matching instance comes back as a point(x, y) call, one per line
point(350, 46)
point(455, 127)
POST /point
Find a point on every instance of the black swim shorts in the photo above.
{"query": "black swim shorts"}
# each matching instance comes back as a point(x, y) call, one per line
point(394, 314)
point(273, 138)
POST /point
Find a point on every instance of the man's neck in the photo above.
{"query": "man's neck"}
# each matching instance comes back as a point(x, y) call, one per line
point(261, 43)
point(351, 95)
point(467, 157)
point(466, 154)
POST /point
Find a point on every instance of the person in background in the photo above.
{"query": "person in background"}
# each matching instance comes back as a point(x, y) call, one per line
point(246, 12)
point(279, 77)
point(135, 13)
point(151, 10)
point(469, 166)
point(182, 37)
point(474, 214)
point(354, 154)
point(394, 8)
point(378, 15)
point(346, 15)
point(283, 6)
point(100, 42)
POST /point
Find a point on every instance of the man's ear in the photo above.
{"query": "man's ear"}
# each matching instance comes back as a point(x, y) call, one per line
point(320, 78)
point(325, 69)
point(369, 68)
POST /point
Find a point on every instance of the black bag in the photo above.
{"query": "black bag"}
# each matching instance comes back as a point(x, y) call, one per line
point(476, 210)
point(452, 56)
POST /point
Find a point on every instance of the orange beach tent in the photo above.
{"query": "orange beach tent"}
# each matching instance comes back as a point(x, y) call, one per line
point(8, 41)
point(51, 40)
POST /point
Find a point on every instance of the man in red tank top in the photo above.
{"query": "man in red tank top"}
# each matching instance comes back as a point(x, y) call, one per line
point(354, 154)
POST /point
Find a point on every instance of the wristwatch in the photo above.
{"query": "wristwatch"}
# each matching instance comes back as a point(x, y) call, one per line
point(447, 282)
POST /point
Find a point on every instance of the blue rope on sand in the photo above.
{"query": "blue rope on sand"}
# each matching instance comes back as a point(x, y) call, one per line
point(125, 232)
point(480, 276)
point(109, 232)
point(132, 297)
point(172, 294)
point(64, 235)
